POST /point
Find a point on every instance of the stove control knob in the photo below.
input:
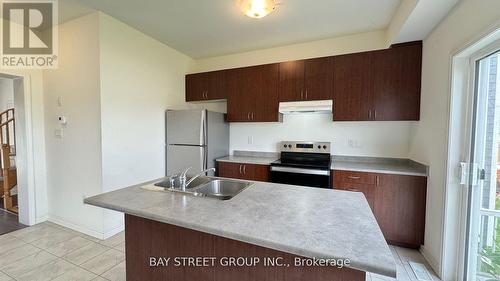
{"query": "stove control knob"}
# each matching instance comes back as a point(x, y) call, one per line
point(284, 146)
point(289, 146)
point(324, 146)
point(319, 146)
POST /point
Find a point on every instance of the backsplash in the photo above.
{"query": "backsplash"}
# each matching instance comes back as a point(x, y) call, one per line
point(377, 139)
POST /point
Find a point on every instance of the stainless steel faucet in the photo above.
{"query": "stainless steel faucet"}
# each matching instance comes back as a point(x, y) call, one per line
point(198, 175)
point(182, 179)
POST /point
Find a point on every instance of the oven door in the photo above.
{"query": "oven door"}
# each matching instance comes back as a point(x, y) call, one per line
point(301, 176)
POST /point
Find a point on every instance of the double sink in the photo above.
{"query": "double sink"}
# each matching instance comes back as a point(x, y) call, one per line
point(221, 189)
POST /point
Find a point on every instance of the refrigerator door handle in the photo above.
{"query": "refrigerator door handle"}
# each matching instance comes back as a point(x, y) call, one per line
point(205, 158)
point(202, 158)
point(203, 128)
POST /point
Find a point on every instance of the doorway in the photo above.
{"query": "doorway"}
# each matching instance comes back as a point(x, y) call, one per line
point(10, 87)
point(482, 257)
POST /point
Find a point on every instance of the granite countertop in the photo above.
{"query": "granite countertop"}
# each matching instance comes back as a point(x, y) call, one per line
point(310, 222)
point(259, 160)
point(395, 166)
point(251, 157)
point(379, 165)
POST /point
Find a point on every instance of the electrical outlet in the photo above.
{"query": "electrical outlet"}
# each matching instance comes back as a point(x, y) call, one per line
point(357, 144)
point(354, 143)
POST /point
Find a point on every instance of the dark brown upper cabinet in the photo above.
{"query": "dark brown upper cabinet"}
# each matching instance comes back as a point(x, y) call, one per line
point(309, 79)
point(205, 86)
point(381, 85)
point(291, 80)
point(396, 82)
point(253, 94)
point(352, 97)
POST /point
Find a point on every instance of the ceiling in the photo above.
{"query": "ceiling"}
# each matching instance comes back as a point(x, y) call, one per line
point(206, 28)
point(426, 15)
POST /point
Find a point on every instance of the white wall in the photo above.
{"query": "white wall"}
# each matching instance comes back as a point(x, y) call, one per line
point(328, 47)
point(74, 161)
point(140, 78)
point(429, 136)
point(6, 94)
point(115, 84)
point(385, 139)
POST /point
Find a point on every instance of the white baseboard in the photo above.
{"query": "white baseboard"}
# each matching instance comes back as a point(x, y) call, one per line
point(84, 229)
point(431, 260)
point(41, 219)
point(114, 231)
point(76, 227)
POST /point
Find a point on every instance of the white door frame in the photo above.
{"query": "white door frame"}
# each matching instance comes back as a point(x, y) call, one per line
point(469, 149)
point(30, 152)
point(459, 149)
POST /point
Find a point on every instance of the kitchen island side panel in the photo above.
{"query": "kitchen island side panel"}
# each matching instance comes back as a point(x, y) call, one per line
point(147, 238)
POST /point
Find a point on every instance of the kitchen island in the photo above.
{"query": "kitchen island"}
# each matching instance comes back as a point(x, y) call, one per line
point(286, 225)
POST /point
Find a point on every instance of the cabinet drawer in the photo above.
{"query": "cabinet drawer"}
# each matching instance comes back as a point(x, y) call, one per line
point(243, 171)
point(367, 189)
point(354, 177)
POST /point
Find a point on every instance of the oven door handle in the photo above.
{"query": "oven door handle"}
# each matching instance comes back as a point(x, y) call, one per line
point(300, 171)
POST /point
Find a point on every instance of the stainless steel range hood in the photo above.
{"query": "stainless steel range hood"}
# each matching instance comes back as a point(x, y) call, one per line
point(317, 106)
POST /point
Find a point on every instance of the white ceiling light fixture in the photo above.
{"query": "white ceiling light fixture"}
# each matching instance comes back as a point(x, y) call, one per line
point(257, 8)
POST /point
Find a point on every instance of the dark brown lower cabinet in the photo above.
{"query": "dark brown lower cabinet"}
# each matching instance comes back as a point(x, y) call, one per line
point(400, 209)
point(397, 201)
point(146, 241)
point(243, 171)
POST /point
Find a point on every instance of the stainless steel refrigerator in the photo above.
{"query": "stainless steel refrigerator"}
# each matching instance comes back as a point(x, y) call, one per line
point(195, 138)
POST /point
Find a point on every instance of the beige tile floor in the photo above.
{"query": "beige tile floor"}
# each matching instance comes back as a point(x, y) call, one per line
point(403, 256)
point(48, 251)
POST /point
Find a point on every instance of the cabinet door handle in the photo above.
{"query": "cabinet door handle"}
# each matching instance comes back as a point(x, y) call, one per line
point(206, 94)
point(245, 169)
point(240, 169)
point(252, 115)
point(306, 94)
point(369, 114)
point(375, 114)
point(301, 94)
point(353, 178)
point(248, 116)
point(377, 181)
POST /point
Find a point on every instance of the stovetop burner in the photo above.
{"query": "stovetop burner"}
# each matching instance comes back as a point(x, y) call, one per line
point(315, 155)
point(303, 163)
